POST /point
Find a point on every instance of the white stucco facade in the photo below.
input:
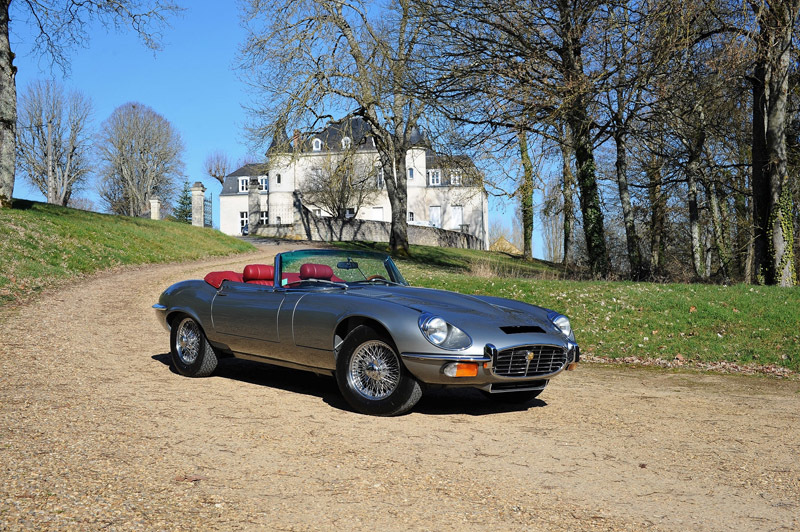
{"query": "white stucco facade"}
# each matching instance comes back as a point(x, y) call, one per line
point(436, 196)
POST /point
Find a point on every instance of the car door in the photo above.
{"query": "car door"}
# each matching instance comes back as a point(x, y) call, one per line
point(245, 317)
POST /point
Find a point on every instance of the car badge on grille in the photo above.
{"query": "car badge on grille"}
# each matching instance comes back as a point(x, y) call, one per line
point(530, 355)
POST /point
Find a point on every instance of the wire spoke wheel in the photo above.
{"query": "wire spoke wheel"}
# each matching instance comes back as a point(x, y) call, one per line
point(188, 341)
point(374, 370)
point(371, 375)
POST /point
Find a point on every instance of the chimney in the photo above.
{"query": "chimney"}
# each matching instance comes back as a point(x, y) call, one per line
point(296, 142)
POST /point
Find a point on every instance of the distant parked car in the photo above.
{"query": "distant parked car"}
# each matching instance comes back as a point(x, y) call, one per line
point(245, 229)
point(351, 314)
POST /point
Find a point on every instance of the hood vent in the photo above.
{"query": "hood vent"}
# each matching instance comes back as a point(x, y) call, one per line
point(522, 329)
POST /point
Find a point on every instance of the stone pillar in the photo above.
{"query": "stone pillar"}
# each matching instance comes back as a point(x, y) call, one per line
point(155, 209)
point(253, 202)
point(198, 203)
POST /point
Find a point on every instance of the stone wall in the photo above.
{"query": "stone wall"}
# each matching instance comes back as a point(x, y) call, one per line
point(306, 226)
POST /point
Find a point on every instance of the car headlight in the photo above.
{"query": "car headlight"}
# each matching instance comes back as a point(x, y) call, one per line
point(562, 322)
point(443, 334)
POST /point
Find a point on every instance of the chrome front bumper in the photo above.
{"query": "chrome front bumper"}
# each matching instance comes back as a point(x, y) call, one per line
point(430, 368)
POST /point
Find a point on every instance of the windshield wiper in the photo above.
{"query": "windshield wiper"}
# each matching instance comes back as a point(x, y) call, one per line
point(387, 281)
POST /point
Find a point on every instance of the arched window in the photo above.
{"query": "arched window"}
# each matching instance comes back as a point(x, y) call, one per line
point(317, 145)
point(278, 179)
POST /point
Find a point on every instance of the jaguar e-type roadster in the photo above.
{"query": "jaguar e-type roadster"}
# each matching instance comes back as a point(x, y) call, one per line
point(351, 314)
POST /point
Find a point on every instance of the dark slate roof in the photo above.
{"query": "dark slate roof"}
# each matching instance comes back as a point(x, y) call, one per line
point(435, 161)
point(354, 127)
point(231, 184)
point(280, 142)
point(419, 139)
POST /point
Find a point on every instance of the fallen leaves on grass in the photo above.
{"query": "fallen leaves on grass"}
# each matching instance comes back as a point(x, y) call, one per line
point(680, 362)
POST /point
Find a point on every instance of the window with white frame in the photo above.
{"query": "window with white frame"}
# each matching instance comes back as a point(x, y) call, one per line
point(411, 173)
point(350, 213)
point(434, 178)
point(242, 218)
point(455, 178)
point(379, 180)
point(243, 184)
point(316, 145)
point(264, 182)
point(410, 216)
point(346, 143)
point(263, 217)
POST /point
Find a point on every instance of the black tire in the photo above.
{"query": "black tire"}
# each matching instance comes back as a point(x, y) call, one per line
point(192, 355)
point(515, 398)
point(371, 376)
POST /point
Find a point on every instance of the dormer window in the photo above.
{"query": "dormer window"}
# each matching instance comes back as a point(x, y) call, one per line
point(434, 178)
point(243, 184)
point(316, 145)
point(455, 178)
point(346, 143)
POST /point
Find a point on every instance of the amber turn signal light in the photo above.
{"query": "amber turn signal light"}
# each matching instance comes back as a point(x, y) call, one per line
point(461, 369)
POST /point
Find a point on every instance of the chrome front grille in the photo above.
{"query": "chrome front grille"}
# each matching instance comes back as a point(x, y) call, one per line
point(529, 361)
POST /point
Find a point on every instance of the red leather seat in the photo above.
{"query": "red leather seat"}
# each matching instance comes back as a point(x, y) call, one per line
point(316, 271)
point(259, 274)
point(216, 279)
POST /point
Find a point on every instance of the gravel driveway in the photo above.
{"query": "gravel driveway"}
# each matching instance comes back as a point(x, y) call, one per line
point(97, 432)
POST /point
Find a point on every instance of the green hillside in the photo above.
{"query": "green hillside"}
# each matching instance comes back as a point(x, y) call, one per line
point(42, 245)
point(695, 324)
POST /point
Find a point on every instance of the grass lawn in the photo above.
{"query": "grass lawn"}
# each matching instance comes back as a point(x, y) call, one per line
point(43, 245)
point(743, 324)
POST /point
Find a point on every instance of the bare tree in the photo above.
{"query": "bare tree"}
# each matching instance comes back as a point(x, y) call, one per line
point(141, 158)
point(58, 26)
point(53, 139)
point(308, 57)
point(217, 165)
point(552, 215)
point(507, 64)
point(773, 36)
point(342, 181)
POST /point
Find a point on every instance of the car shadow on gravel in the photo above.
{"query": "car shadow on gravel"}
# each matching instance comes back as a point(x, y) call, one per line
point(435, 401)
point(262, 374)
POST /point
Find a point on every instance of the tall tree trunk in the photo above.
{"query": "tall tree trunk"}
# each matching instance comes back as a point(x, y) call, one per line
point(774, 240)
point(718, 226)
point(692, 174)
point(567, 192)
point(743, 243)
point(572, 26)
point(760, 182)
point(398, 200)
point(635, 259)
point(51, 178)
point(781, 228)
point(593, 226)
point(526, 195)
point(8, 110)
point(657, 218)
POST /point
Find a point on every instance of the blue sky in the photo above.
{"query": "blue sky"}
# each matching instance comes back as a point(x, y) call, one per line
point(192, 82)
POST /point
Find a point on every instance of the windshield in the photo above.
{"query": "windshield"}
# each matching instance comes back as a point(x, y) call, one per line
point(338, 266)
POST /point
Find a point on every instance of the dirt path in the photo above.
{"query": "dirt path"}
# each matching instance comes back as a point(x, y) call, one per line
point(96, 433)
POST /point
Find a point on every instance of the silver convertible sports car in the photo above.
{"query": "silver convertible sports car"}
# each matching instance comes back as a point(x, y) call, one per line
point(351, 314)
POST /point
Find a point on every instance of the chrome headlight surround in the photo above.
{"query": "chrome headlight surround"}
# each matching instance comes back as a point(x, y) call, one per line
point(442, 334)
point(562, 323)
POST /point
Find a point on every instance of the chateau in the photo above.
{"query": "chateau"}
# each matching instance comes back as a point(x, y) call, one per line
point(443, 192)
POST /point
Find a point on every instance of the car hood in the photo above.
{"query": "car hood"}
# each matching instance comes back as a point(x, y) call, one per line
point(453, 306)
